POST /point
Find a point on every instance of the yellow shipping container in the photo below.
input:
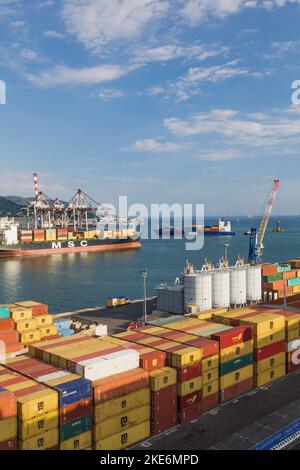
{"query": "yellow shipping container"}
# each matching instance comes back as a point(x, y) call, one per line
point(20, 313)
point(48, 330)
point(210, 388)
point(8, 428)
point(292, 334)
point(115, 407)
point(30, 336)
point(37, 403)
point(237, 376)
point(269, 363)
point(210, 376)
point(265, 323)
point(80, 442)
point(121, 422)
point(233, 352)
point(189, 386)
point(125, 438)
point(42, 320)
point(186, 356)
point(269, 375)
point(266, 339)
point(162, 378)
point(36, 426)
point(25, 325)
point(210, 363)
point(43, 441)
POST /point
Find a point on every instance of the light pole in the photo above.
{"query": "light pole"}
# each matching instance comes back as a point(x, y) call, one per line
point(226, 246)
point(144, 276)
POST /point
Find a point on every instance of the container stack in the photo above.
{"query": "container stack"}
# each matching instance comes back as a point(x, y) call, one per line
point(50, 234)
point(25, 236)
point(74, 415)
point(268, 340)
point(37, 411)
point(187, 361)
point(279, 280)
point(9, 337)
point(163, 399)
point(64, 327)
point(38, 235)
point(8, 420)
point(209, 367)
point(121, 414)
point(62, 234)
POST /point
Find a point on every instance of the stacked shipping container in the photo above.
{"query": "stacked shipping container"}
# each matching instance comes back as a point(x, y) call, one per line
point(8, 420)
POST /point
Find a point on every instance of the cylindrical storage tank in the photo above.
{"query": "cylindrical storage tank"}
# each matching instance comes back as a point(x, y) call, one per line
point(253, 284)
point(220, 288)
point(237, 280)
point(198, 290)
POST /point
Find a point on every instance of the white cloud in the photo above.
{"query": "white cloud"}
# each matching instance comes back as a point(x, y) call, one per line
point(17, 24)
point(189, 84)
point(29, 54)
point(107, 94)
point(270, 132)
point(154, 146)
point(62, 75)
point(97, 22)
point(155, 90)
point(220, 155)
point(53, 34)
point(196, 11)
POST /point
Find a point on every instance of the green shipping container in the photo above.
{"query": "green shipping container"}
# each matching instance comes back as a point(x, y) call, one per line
point(272, 277)
point(4, 312)
point(75, 427)
point(235, 364)
point(294, 282)
point(284, 268)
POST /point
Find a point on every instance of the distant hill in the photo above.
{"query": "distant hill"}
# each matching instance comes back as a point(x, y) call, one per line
point(21, 201)
point(8, 207)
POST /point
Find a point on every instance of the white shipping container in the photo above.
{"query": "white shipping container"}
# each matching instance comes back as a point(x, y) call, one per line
point(109, 364)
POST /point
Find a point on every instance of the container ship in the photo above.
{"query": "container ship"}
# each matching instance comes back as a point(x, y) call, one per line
point(222, 229)
point(55, 228)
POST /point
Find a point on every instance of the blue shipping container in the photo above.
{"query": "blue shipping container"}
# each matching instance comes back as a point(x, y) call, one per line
point(73, 391)
point(66, 332)
point(4, 312)
point(62, 324)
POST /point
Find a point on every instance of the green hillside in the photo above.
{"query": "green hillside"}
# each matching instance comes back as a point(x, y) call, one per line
point(8, 207)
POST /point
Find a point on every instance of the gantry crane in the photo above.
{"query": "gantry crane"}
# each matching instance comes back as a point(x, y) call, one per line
point(256, 244)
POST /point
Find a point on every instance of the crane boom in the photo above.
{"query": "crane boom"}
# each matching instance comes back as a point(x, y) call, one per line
point(256, 244)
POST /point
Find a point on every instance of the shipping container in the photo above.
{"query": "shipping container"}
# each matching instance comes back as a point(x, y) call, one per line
point(236, 390)
point(189, 400)
point(292, 345)
point(109, 364)
point(119, 423)
point(210, 402)
point(120, 385)
point(75, 427)
point(20, 313)
point(8, 404)
point(268, 376)
point(8, 428)
point(125, 438)
point(189, 413)
point(269, 363)
point(25, 325)
point(48, 330)
point(11, 444)
point(6, 324)
point(116, 406)
point(79, 442)
point(269, 339)
point(43, 441)
point(233, 352)
point(236, 364)
point(37, 426)
point(210, 363)
point(233, 336)
point(4, 312)
point(269, 351)
point(164, 401)
point(162, 378)
point(210, 376)
point(44, 320)
point(210, 388)
point(30, 336)
point(293, 361)
point(237, 376)
point(189, 372)
point(190, 386)
point(75, 410)
point(36, 307)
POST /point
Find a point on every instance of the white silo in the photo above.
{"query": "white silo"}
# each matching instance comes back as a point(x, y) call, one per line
point(253, 283)
point(198, 290)
point(237, 277)
point(220, 288)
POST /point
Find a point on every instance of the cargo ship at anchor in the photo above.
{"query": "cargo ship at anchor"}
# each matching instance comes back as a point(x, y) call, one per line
point(58, 228)
point(222, 229)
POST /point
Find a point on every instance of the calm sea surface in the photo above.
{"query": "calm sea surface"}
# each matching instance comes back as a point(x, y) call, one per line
point(74, 281)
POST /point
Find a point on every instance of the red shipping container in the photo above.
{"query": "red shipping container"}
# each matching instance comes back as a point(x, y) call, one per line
point(189, 400)
point(268, 270)
point(236, 390)
point(210, 402)
point(163, 423)
point(189, 413)
point(11, 444)
point(189, 372)
point(9, 337)
point(235, 335)
point(14, 347)
point(268, 351)
point(75, 410)
point(6, 324)
point(164, 399)
point(289, 274)
point(293, 361)
point(8, 404)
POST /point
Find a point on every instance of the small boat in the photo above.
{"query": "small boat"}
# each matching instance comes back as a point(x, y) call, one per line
point(278, 228)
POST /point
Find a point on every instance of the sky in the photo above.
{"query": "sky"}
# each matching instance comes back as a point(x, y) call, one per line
point(169, 101)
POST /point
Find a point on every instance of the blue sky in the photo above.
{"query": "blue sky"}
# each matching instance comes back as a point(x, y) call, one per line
point(161, 100)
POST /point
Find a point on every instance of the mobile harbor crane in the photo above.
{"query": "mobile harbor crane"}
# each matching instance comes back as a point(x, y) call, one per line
point(256, 245)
